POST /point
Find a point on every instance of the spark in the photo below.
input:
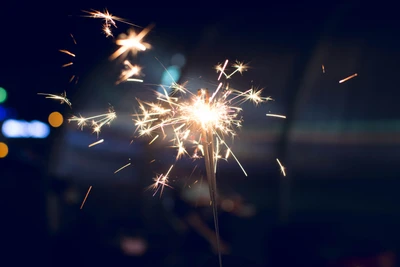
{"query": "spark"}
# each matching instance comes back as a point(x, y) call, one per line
point(160, 181)
point(62, 98)
point(129, 71)
point(239, 67)
point(67, 64)
point(107, 30)
point(154, 139)
point(97, 121)
point(276, 116)
point(131, 42)
point(252, 94)
point(134, 80)
point(348, 78)
point(109, 20)
point(281, 167)
point(123, 167)
point(198, 125)
point(87, 194)
point(73, 38)
point(323, 68)
point(222, 69)
point(69, 53)
point(96, 143)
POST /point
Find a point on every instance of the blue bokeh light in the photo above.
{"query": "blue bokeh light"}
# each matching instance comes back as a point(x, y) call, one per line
point(169, 76)
point(24, 129)
point(3, 113)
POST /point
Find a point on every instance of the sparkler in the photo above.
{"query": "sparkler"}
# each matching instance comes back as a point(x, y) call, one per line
point(201, 121)
point(62, 98)
point(199, 124)
point(97, 121)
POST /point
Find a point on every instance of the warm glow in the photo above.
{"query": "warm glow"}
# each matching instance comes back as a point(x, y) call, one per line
point(3, 150)
point(56, 119)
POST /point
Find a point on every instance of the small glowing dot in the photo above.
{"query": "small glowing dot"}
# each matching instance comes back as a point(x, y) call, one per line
point(56, 119)
point(3, 150)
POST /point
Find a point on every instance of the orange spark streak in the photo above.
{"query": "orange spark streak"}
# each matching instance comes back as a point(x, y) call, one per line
point(84, 200)
point(348, 78)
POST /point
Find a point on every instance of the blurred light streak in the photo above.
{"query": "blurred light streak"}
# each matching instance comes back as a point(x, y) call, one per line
point(3, 150)
point(55, 119)
point(96, 143)
point(78, 139)
point(281, 167)
point(123, 167)
point(87, 194)
point(135, 80)
point(350, 132)
point(276, 116)
point(359, 138)
point(348, 78)
point(222, 70)
point(24, 129)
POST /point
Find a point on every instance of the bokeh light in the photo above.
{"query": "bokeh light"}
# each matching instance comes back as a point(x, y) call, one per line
point(170, 75)
point(56, 119)
point(3, 95)
point(3, 113)
point(24, 129)
point(178, 60)
point(3, 150)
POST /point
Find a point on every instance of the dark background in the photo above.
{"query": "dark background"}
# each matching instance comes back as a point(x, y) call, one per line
point(339, 143)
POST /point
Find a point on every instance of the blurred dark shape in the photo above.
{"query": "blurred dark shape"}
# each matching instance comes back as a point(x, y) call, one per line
point(325, 244)
point(298, 244)
point(230, 261)
point(23, 190)
point(133, 246)
point(190, 214)
point(377, 259)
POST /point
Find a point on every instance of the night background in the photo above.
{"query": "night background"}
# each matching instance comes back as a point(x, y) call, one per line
point(338, 203)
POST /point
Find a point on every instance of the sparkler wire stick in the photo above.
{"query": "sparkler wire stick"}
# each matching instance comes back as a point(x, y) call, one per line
point(210, 164)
